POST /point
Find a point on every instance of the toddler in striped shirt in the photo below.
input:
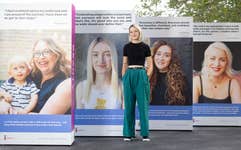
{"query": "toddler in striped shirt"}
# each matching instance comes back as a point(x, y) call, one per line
point(19, 90)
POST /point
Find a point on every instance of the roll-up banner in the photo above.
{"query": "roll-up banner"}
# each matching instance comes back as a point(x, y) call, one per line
point(170, 40)
point(216, 74)
point(35, 75)
point(100, 37)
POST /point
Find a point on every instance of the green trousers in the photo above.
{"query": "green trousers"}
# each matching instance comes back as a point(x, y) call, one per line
point(136, 88)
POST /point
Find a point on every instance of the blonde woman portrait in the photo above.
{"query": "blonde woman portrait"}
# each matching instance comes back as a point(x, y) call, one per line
point(101, 89)
point(216, 82)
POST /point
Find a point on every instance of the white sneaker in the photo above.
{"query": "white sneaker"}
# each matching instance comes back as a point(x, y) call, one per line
point(126, 139)
point(146, 139)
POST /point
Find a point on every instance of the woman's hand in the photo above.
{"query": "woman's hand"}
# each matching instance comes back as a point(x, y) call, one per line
point(124, 65)
point(6, 96)
point(5, 107)
point(149, 66)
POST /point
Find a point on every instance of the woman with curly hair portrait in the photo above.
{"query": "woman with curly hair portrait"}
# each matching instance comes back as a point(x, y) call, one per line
point(168, 82)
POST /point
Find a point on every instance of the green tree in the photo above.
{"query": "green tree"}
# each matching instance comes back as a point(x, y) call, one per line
point(200, 10)
point(209, 10)
point(149, 8)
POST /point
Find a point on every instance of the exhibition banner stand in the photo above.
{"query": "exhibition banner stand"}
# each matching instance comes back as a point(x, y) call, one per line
point(100, 38)
point(35, 75)
point(170, 40)
point(216, 60)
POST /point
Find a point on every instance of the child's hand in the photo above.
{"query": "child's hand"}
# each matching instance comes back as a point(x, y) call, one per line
point(22, 111)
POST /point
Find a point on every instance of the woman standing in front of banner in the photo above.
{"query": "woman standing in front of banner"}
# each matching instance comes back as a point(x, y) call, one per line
point(136, 83)
point(168, 82)
point(216, 84)
point(101, 90)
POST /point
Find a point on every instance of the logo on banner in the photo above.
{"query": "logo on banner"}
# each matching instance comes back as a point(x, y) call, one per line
point(5, 138)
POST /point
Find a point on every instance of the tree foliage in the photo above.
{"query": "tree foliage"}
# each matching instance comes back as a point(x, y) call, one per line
point(201, 10)
point(149, 8)
point(209, 10)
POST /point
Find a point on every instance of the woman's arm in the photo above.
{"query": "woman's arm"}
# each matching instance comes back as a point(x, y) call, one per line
point(125, 65)
point(149, 66)
point(235, 91)
point(196, 89)
point(120, 95)
point(61, 100)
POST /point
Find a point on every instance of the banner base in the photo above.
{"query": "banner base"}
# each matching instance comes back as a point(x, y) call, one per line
point(98, 130)
point(217, 121)
point(37, 138)
point(168, 125)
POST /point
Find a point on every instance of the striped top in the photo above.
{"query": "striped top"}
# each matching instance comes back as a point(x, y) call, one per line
point(21, 95)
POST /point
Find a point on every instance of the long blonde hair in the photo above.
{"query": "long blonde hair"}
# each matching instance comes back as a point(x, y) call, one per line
point(220, 46)
point(91, 74)
point(62, 64)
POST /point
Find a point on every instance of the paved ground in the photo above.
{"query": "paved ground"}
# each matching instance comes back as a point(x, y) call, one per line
point(201, 138)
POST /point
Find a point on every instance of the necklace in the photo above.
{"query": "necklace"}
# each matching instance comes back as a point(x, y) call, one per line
point(218, 82)
point(215, 85)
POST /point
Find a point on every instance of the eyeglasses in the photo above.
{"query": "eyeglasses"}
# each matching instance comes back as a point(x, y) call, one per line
point(44, 53)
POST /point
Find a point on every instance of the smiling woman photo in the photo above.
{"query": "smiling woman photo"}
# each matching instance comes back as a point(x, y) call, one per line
point(168, 82)
point(216, 83)
point(50, 67)
point(101, 89)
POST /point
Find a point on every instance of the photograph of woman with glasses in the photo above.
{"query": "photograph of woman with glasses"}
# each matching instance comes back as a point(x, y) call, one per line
point(50, 67)
point(50, 72)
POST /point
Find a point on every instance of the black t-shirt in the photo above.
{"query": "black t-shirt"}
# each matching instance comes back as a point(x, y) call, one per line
point(136, 53)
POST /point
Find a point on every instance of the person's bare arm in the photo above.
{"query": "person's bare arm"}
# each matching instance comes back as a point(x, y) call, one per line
point(120, 95)
point(61, 100)
point(124, 65)
point(235, 91)
point(149, 66)
point(196, 88)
